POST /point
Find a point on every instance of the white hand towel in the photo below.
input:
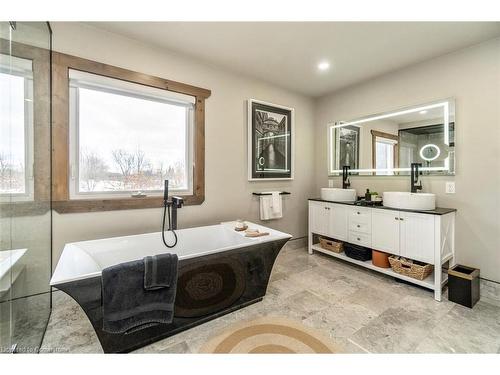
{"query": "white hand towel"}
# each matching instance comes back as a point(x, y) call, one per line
point(276, 202)
point(265, 207)
point(266, 210)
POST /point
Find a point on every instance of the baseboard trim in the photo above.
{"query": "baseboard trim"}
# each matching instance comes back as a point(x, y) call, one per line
point(490, 290)
point(296, 243)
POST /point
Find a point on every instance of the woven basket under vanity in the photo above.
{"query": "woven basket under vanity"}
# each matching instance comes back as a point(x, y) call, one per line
point(408, 267)
point(330, 245)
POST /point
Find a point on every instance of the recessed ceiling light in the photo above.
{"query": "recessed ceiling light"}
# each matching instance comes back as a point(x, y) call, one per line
point(324, 65)
point(422, 112)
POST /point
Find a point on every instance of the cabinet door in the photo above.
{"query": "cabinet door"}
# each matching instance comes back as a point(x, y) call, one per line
point(319, 217)
point(385, 231)
point(338, 221)
point(417, 236)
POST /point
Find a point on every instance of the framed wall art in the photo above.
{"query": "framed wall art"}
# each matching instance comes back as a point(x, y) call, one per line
point(270, 141)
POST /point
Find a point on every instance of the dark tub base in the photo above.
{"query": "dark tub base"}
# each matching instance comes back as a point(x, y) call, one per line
point(208, 287)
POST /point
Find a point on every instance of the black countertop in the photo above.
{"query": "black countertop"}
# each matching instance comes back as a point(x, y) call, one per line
point(436, 211)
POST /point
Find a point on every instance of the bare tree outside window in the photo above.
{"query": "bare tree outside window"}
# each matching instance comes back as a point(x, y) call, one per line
point(94, 170)
point(135, 172)
point(11, 176)
point(13, 134)
point(124, 160)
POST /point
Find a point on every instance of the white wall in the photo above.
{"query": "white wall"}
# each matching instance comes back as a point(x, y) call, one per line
point(228, 193)
point(472, 77)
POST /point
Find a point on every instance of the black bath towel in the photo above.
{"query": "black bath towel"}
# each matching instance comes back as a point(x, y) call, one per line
point(159, 271)
point(127, 306)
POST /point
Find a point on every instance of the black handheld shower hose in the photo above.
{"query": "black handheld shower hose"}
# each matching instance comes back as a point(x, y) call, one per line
point(166, 207)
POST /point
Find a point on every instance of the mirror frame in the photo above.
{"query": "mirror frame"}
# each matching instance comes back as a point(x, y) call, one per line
point(450, 170)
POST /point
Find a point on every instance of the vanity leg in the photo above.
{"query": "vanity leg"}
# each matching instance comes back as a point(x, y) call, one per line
point(310, 243)
point(437, 295)
point(437, 281)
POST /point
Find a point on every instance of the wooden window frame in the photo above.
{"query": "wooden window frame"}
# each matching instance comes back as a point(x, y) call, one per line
point(375, 134)
point(41, 202)
point(61, 63)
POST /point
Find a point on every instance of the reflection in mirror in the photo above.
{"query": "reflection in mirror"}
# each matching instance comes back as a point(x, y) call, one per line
point(386, 144)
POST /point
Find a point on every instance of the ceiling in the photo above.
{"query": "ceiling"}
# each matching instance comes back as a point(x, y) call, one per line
point(287, 53)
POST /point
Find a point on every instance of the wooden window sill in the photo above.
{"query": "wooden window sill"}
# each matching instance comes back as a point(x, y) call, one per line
point(113, 204)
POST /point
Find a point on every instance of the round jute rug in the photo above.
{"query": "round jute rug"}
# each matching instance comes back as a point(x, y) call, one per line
point(271, 335)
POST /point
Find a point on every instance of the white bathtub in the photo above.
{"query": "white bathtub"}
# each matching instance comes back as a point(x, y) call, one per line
point(11, 266)
point(86, 259)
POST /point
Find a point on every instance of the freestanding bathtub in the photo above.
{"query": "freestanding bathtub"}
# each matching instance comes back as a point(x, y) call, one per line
point(220, 270)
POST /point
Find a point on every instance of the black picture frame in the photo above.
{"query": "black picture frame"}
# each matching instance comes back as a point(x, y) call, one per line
point(270, 141)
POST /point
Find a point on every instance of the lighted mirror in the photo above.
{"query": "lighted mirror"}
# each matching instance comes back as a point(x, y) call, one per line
point(386, 144)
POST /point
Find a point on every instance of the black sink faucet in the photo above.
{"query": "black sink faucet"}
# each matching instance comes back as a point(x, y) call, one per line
point(345, 177)
point(414, 177)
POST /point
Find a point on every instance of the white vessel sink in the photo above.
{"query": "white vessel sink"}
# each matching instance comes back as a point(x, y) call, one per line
point(338, 195)
point(409, 201)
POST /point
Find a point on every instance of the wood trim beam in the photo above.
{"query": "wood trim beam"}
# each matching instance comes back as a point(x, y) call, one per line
point(376, 133)
point(40, 58)
point(111, 71)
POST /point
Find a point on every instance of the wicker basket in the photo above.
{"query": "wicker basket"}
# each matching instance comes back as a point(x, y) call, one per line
point(411, 268)
point(330, 245)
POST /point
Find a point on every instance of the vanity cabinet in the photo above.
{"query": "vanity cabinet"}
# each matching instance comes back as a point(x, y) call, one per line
point(386, 231)
point(427, 237)
point(408, 234)
point(337, 227)
point(328, 219)
point(319, 218)
point(416, 236)
point(359, 221)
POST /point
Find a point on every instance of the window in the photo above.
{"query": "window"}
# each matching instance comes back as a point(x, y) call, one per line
point(16, 129)
point(117, 132)
point(384, 155)
point(127, 138)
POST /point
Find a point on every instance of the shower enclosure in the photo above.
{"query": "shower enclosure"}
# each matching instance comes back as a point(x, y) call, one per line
point(25, 184)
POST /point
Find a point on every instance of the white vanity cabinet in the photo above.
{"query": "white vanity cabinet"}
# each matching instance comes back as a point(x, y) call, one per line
point(416, 236)
point(408, 234)
point(319, 217)
point(337, 227)
point(426, 237)
point(328, 219)
point(386, 231)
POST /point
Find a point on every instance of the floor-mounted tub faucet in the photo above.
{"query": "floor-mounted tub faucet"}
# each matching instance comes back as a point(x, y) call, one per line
point(416, 184)
point(345, 177)
point(174, 204)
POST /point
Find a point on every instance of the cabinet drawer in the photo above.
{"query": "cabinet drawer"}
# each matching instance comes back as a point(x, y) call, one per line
point(359, 238)
point(360, 227)
point(360, 215)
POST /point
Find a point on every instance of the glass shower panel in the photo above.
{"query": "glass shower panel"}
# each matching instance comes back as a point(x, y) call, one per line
point(5, 237)
point(25, 182)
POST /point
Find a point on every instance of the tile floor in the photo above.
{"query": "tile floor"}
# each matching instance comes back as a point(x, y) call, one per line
point(361, 310)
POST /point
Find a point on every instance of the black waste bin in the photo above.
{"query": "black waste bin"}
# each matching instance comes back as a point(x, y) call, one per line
point(463, 285)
